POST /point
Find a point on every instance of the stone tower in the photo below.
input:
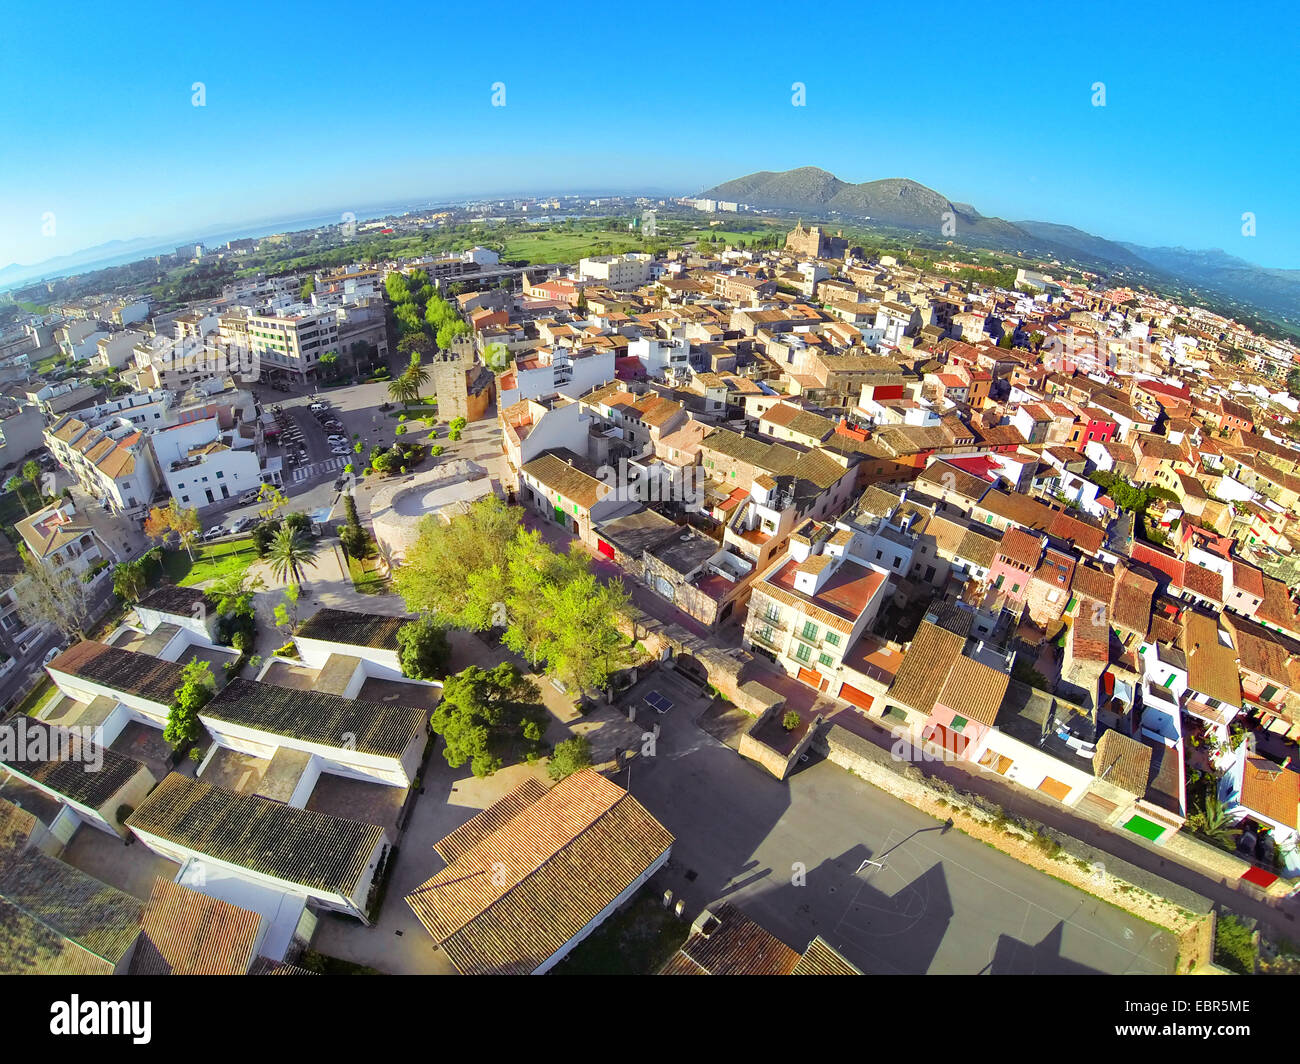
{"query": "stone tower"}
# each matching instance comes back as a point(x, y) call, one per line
point(449, 378)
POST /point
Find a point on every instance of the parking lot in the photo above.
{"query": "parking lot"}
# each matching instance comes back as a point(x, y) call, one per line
point(792, 856)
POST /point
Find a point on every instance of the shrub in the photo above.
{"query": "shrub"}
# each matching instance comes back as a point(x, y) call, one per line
point(400, 430)
point(791, 720)
point(569, 757)
point(1234, 945)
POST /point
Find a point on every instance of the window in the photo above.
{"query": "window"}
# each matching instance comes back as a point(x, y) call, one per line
point(1269, 693)
point(773, 612)
point(1015, 589)
point(825, 659)
point(959, 724)
point(803, 652)
point(832, 639)
point(809, 630)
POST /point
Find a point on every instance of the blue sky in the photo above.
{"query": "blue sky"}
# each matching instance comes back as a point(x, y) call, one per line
point(324, 106)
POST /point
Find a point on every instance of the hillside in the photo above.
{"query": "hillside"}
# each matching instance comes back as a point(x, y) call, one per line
point(904, 204)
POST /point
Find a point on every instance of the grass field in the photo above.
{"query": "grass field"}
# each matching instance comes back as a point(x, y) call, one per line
point(636, 940)
point(569, 247)
point(36, 696)
point(366, 576)
point(211, 560)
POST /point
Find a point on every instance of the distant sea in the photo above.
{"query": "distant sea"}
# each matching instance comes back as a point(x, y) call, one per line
point(215, 238)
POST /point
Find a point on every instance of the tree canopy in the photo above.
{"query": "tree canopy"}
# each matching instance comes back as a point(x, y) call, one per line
point(484, 715)
point(423, 649)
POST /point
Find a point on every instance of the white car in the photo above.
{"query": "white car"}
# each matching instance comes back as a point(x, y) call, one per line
point(337, 438)
point(51, 654)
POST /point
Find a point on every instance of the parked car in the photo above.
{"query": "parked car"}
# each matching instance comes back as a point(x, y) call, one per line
point(248, 497)
point(215, 532)
point(242, 524)
point(51, 654)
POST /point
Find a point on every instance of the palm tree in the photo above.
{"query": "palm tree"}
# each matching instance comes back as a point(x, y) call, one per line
point(400, 389)
point(419, 375)
point(1212, 821)
point(15, 484)
point(289, 552)
point(129, 580)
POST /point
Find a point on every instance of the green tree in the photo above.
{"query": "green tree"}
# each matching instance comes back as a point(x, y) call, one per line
point(1211, 821)
point(446, 559)
point(271, 502)
point(418, 374)
point(196, 691)
point(32, 473)
point(791, 720)
point(233, 593)
point(290, 552)
point(456, 427)
point(569, 757)
point(329, 362)
point(584, 644)
point(402, 389)
point(534, 574)
point(15, 485)
point(130, 580)
point(286, 612)
point(484, 714)
point(423, 649)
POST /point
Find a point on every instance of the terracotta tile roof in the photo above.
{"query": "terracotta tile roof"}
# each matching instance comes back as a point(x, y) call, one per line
point(511, 899)
point(1247, 578)
point(1211, 666)
point(925, 667)
point(1131, 601)
point(1090, 632)
point(1277, 608)
point(188, 933)
point(729, 943)
point(1271, 790)
point(567, 481)
point(821, 958)
point(974, 690)
point(978, 547)
point(17, 826)
point(1082, 535)
point(1261, 651)
point(1021, 547)
point(1203, 582)
point(1095, 583)
point(839, 602)
point(1122, 761)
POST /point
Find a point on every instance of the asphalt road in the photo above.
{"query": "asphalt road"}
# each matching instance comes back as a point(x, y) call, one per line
point(942, 903)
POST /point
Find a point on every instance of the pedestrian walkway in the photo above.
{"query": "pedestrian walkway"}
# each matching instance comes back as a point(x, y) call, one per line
point(316, 469)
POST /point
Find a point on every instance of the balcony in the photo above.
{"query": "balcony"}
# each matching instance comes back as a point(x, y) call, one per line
point(766, 635)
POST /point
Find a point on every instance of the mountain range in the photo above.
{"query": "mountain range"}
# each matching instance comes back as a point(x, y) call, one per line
point(899, 203)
